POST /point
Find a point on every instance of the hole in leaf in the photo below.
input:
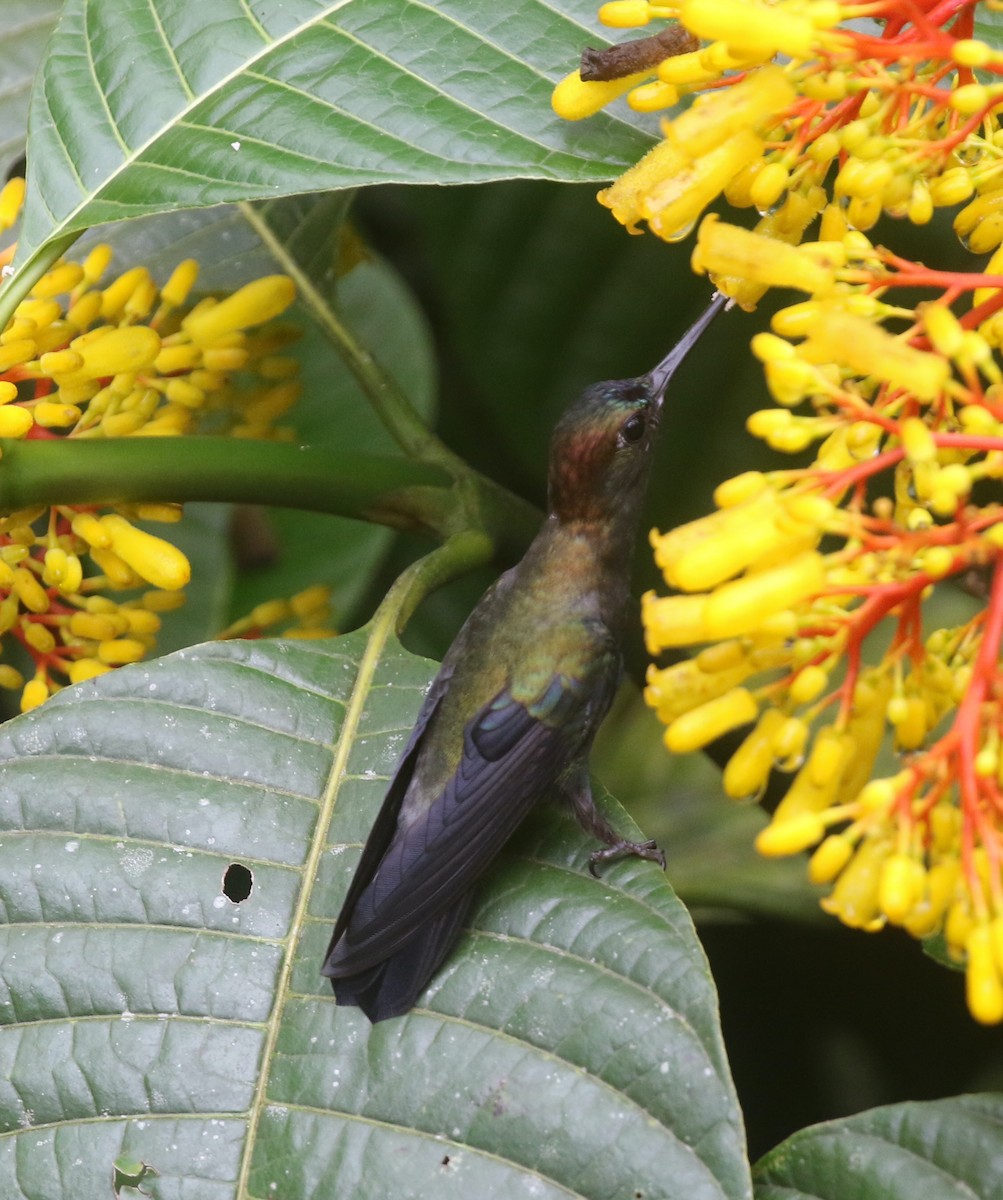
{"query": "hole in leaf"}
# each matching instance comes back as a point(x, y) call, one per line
point(237, 882)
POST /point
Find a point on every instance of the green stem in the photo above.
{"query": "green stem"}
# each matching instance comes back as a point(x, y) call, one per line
point(390, 404)
point(27, 274)
point(459, 554)
point(398, 492)
point(391, 491)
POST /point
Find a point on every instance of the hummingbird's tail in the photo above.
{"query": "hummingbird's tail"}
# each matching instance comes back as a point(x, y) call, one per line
point(391, 987)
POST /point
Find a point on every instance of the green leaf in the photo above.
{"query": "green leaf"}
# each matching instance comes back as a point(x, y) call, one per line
point(142, 108)
point(912, 1151)
point(570, 1046)
point(25, 26)
point(299, 235)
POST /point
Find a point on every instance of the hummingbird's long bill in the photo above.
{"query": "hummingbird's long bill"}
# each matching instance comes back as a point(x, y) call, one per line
point(660, 376)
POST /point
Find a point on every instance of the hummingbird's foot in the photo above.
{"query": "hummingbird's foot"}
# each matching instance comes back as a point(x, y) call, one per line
point(623, 849)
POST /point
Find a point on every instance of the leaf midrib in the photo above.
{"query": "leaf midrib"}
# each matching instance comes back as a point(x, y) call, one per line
point(380, 629)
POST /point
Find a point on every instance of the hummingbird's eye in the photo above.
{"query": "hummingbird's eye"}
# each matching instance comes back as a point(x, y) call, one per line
point(632, 430)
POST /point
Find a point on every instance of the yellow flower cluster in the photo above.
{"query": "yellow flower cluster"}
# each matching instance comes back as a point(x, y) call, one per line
point(306, 615)
point(805, 595)
point(787, 584)
point(853, 123)
point(127, 359)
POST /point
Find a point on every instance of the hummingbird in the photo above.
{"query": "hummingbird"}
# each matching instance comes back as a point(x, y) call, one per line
point(510, 718)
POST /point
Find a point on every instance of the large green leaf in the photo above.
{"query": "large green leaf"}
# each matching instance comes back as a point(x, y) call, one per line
point(25, 26)
point(301, 236)
point(570, 1047)
point(914, 1151)
point(147, 106)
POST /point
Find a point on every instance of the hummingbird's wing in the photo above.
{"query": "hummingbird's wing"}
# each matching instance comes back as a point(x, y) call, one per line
point(411, 891)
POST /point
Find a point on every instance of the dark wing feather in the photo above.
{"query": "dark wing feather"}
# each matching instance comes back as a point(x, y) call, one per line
point(510, 758)
point(382, 832)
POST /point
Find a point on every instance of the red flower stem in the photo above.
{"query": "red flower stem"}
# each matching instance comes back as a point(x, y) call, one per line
point(862, 471)
point(966, 723)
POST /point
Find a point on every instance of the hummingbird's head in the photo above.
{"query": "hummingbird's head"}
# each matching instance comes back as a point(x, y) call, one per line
point(600, 454)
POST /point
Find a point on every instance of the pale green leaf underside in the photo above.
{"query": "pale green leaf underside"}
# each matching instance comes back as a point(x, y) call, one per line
point(935, 1150)
point(570, 1048)
point(25, 26)
point(148, 105)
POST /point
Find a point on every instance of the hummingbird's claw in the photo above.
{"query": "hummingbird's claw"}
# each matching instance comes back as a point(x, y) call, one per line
point(624, 849)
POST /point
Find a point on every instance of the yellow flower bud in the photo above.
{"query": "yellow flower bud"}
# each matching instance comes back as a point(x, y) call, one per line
point(10, 678)
point(920, 207)
point(141, 622)
point(983, 983)
point(97, 262)
point(14, 421)
point(749, 767)
point(11, 199)
point(790, 836)
point(163, 601)
point(702, 725)
point(739, 488)
point(942, 327)
point(118, 572)
point(769, 185)
point(87, 668)
point(253, 304)
point(30, 592)
point(39, 638)
point(671, 205)
point(727, 250)
point(121, 650)
point(717, 117)
point(36, 692)
point(50, 415)
point(971, 98)
point(57, 564)
point(64, 277)
point(917, 441)
point(722, 656)
point(854, 899)
point(951, 187)
point(741, 606)
point(808, 684)
point(868, 349)
point(97, 627)
point(970, 52)
point(790, 739)
point(653, 97)
point(116, 295)
point(118, 350)
point(672, 621)
point(625, 14)
point(878, 795)
point(900, 886)
point(830, 858)
point(153, 559)
point(938, 561)
point(224, 358)
point(177, 289)
point(714, 548)
point(828, 756)
point(911, 729)
point(790, 381)
point(89, 528)
point(121, 424)
point(749, 27)
point(179, 357)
